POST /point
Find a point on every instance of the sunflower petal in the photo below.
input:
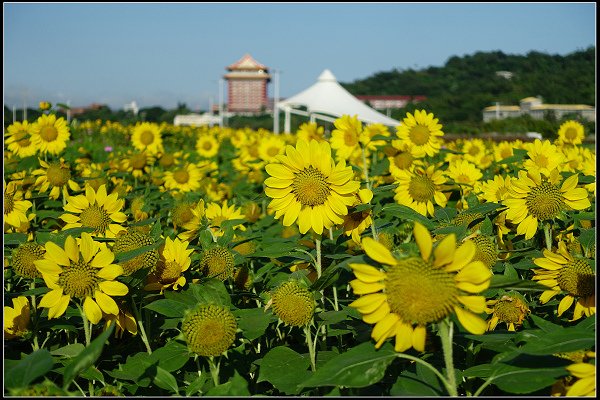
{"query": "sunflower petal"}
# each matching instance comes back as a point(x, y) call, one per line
point(470, 321)
point(378, 252)
point(113, 288)
point(92, 311)
point(423, 239)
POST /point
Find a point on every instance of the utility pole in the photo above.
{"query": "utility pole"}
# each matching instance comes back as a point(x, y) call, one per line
point(221, 117)
point(276, 102)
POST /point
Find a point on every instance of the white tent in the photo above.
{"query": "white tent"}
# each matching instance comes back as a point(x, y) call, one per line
point(327, 96)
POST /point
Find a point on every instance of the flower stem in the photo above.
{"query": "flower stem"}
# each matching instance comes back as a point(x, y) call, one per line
point(86, 326)
point(427, 365)
point(35, 316)
point(214, 369)
point(311, 348)
point(446, 330)
point(548, 236)
point(318, 260)
point(143, 335)
point(365, 167)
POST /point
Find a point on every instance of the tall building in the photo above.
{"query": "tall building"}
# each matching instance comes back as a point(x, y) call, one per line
point(247, 82)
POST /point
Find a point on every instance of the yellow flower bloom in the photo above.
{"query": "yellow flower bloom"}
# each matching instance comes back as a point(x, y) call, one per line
point(138, 164)
point(345, 137)
point(307, 186)
point(16, 318)
point(570, 132)
point(124, 321)
point(207, 146)
point(56, 175)
point(271, 147)
point(15, 208)
point(510, 309)
point(411, 293)
point(543, 156)
point(310, 131)
point(83, 269)
point(420, 188)
point(504, 150)
point(18, 139)
point(562, 272)
point(421, 132)
point(217, 214)
point(355, 223)
point(494, 190)
point(95, 210)
point(192, 226)
point(184, 179)
point(44, 105)
point(50, 135)
point(174, 261)
point(534, 197)
point(146, 136)
point(369, 132)
point(464, 174)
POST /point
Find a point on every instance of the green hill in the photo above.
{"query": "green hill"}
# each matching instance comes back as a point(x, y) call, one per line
point(459, 90)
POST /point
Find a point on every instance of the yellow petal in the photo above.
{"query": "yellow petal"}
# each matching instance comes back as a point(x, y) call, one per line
point(583, 387)
point(279, 171)
point(475, 272)
point(110, 272)
point(106, 303)
point(388, 329)
point(462, 256)
point(404, 334)
point(316, 220)
point(547, 295)
point(113, 288)
point(444, 251)
point(51, 298)
point(470, 321)
point(60, 307)
point(565, 304)
point(418, 338)
point(378, 252)
point(56, 254)
point(103, 258)
point(369, 303)
point(47, 267)
point(423, 239)
point(87, 247)
point(473, 303)
point(367, 273)
point(71, 249)
point(304, 222)
point(381, 312)
point(92, 311)
point(292, 212)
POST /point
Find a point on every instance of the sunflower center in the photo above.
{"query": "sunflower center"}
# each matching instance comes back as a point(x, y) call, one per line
point(273, 151)
point(79, 280)
point(168, 272)
point(167, 160)
point(49, 133)
point(544, 201)
point(20, 135)
point(474, 150)
point(23, 258)
point(24, 142)
point(541, 160)
point(293, 304)
point(403, 160)
point(486, 250)
point(138, 161)
point(419, 135)
point(217, 263)
point(58, 176)
point(506, 152)
point(207, 145)
point(133, 240)
point(181, 176)
point(95, 217)
point(577, 278)
point(310, 187)
point(421, 188)
point(182, 214)
point(350, 139)
point(420, 293)
point(571, 133)
point(510, 310)
point(209, 330)
point(147, 138)
point(9, 204)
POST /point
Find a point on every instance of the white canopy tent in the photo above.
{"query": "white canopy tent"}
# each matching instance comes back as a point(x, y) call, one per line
point(327, 96)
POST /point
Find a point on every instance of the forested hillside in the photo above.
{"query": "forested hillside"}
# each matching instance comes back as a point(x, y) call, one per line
point(459, 90)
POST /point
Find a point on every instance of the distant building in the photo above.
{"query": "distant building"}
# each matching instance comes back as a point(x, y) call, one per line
point(389, 102)
point(74, 111)
point(534, 107)
point(505, 74)
point(247, 82)
point(196, 119)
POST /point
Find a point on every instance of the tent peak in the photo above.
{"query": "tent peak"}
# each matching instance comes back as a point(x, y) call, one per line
point(326, 75)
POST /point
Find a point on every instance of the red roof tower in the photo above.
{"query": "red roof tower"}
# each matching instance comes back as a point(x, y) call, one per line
point(247, 81)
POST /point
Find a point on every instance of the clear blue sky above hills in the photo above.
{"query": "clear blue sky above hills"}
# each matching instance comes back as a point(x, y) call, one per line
point(165, 53)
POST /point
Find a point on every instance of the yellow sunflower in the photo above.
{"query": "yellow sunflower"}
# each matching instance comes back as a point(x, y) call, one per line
point(421, 132)
point(56, 175)
point(504, 150)
point(18, 139)
point(307, 186)
point(271, 147)
point(510, 309)
point(192, 226)
point(309, 131)
point(570, 132)
point(369, 132)
point(207, 146)
point(15, 208)
point(345, 137)
point(355, 223)
point(174, 261)
point(138, 164)
point(534, 197)
point(83, 269)
point(543, 156)
point(563, 272)
point(410, 293)
point(146, 136)
point(465, 174)
point(95, 210)
point(49, 134)
point(420, 188)
point(494, 190)
point(476, 152)
point(16, 318)
point(585, 385)
point(216, 214)
point(185, 179)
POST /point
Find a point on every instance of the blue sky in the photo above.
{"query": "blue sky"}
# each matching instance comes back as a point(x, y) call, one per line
point(165, 53)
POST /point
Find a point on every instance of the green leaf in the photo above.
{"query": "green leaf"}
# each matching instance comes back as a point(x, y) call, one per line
point(285, 369)
point(196, 385)
point(128, 255)
point(69, 351)
point(165, 380)
point(410, 384)
point(253, 321)
point(560, 341)
point(486, 227)
point(211, 291)
point(237, 386)
point(514, 379)
point(28, 369)
point(172, 356)
point(507, 283)
point(86, 358)
point(407, 213)
point(587, 238)
point(169, 308)
point(360, 366)
point(14, 239)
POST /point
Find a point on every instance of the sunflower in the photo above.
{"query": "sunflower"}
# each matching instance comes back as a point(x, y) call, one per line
point(476, 152)
point(174, 261)
point(465, 174)
point(493, 190)
point(422, 133)
point(309, 131)
point(534, 197)
point(16, 318)
point(307, 186)
point(355, 223)
point(271, 147)
point(217, 214)
point(217, 262)
point(95, 210)
point(94, 174)
point(209, 329)
point(49, 134)
point(369, 132)
point(181, 213)
point(570, 133)
point(124, 321)
point(207, 146)
point(582, 379)
point(146, 137)
point(132, 240)
point(192, 226)
point(184, 179)
point(345, 137)
point(15, 208)
point(420, 188)
point(293, 303)
point(84, 270)
point(56, 175)
point(504, 149)
point(23, 258)
point(18, 139)
point(543, 156)
point(412, 292)
point(573, 275)
point(511, 309)
point(138, 164)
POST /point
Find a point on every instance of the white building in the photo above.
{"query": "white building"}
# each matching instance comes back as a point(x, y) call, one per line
point(534, 107)
point(197, 119)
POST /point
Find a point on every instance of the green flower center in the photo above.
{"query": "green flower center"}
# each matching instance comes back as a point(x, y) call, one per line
point(133, 240)
point(168, 271)
point(544, 201)
point(58, 175)
point(167, 160)
point(182, 214)
point(571, 133)
point(419, 293)
point(147, 138)
point(209, 330)
point(217, 263)
point(49, 133)
point(419, 134)
point(310, 187)
point(350, 139)
point(95, 217)
point(510, 310)
point(421, 188)
point(486, 250)
point(577, 278)
point(403, 160)
point(9, 204)
point(273, 151)
point(79, 280)
point(23, 258)
point(138, 161)
point(181, 176)
point(293, 304)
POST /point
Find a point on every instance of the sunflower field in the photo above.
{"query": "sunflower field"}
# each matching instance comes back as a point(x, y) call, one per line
point(161, 260)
